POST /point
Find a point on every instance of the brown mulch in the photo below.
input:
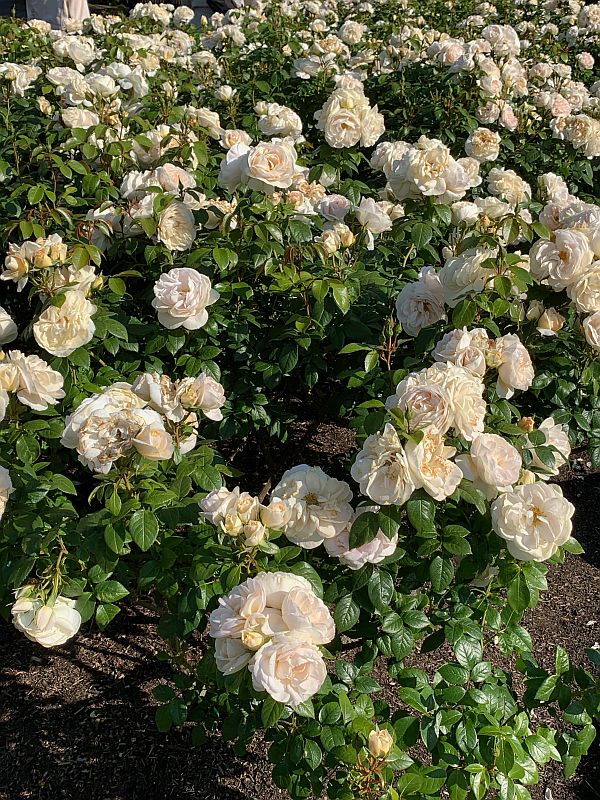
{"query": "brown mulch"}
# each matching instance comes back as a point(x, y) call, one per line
point(77, 723)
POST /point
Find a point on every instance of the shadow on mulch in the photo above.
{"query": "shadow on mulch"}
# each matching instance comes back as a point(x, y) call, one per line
point(78, 723)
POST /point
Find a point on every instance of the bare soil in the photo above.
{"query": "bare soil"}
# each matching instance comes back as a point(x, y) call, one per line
point(78, 723)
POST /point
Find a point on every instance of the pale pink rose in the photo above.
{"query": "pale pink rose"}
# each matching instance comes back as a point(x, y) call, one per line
point(515, 370)
point(493, 464)
point(181, 298)
point(430, 466)
point(307, 617)
point(290, 671)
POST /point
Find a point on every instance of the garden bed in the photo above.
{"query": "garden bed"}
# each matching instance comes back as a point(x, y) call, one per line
point(79, 722)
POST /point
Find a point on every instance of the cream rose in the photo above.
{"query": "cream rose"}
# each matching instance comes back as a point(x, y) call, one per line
point(515, 370)
point(288, 670)
point(8, 329)
point(181, 297)
point(48, 625)
point(493, 464)
point(421, 303)
point(154, 442)
point(269, 166)
point(276, 514)
point(381, 469)
point(6, 489)
point(37, 385)
point(534, 519)
point(380, 743)
point(176, 227)
point(430, 466)
point(61, 330)
point(319, 505)
point(556, 437)
point(204, 393)
point(591, 329)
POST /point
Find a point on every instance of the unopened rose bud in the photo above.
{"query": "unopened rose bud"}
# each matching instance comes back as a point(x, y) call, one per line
point(254, 533)
point(253, 639)
point(247, 507)
point(535, 310)
point(527, 424)
point(154, 443)
point(527, 476)
point(98, 283)
point(232, 525)
point(276, 514)
point(550, 322)
point(345, 235)
point(380, 743)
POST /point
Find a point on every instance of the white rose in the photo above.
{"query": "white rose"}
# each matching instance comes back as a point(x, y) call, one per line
point(550, 322)
point(233, 166)
point(483, 144)
point(334, 207)
point(61, 330)
point(430, 466)
point(372, 217)
point(591, 329)
point(466, 397)
point(8, 329)
point(38, 385)
point(421, 303)
point(232, 136)
point(219, 503)
point(204, 393)
point(307, 617)
point(342, 129)
point(6, 489)
point(47, 625)
point(79, 118)
point(231, 655)
point(181, 298)
point(465, 212)
point(427, 405)
point(276, 514)
point(154, 442)
point(381, 469)
point(493, 464)
point(372, 552)
point(269, 166)
point(585, 292)
point(176, 227)
point(515, 370)
point(465, 349)
point(508, 186)
point(556, 437)
point(117, 397)
point(568, 260)
point(465, 273)
point(288, 670)
point(160, 394)
point(319, 505)
point(534, 519)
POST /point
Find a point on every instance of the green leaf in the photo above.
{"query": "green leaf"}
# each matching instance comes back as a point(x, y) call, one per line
point(346, 614)
point(109, 591)
point(421, 513)
point(562, 662)
point(464, 314)
point(518, 594)
point(270, 712)
point(105, 613)
point(341, 298)
point(35, 195)
point(441, 574)
point(420, 234)
point(143, 527)
point(364, 529)
point(381, 589)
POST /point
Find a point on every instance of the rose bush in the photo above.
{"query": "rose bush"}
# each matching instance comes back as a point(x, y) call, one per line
point(385, 214)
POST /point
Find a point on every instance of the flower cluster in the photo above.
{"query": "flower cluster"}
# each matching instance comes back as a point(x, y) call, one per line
point(274, 624)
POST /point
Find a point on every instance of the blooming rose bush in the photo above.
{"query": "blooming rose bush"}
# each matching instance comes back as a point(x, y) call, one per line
point(384, 214)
